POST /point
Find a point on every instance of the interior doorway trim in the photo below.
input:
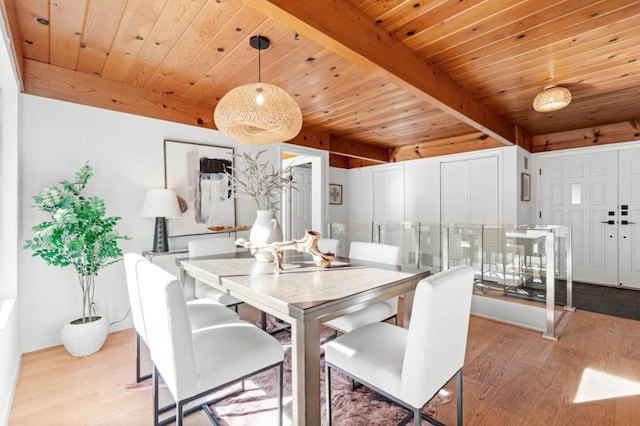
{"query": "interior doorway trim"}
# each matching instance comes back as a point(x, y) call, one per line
point(319, 160)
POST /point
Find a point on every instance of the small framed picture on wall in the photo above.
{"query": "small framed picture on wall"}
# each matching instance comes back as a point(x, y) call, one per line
point(525, 187)
point(335, 194)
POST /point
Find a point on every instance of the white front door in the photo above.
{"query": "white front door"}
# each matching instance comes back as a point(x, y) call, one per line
point(598, 196)
point(629, 218)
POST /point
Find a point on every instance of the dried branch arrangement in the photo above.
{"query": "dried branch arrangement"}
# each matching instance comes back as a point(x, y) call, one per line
point(259, 180)
point(307, 244)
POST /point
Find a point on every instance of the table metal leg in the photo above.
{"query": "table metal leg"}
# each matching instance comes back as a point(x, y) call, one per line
point(305, 374)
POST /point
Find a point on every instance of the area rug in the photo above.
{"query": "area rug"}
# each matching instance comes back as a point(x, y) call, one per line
point(257, 405)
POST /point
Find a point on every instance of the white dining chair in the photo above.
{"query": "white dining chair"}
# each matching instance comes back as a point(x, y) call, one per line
point(382, 311)
point(202, 313)
point(208, 247)
point(331, 245)
point(196, 363)
point(413, 364)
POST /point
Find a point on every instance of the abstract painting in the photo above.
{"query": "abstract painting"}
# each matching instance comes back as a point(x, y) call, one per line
point(197, 173)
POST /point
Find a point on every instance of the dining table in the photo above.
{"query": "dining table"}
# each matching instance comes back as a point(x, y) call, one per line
point(305, 296)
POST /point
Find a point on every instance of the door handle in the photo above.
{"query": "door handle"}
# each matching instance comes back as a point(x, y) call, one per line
point(610, 222)
point(626, 222)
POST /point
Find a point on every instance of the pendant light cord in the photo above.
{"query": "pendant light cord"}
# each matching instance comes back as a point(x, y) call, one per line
point(259, 64)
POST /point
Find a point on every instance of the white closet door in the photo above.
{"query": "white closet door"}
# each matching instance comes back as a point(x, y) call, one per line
point(469, 191)
point(388, 195)
point(454, 192)
point(483, 191)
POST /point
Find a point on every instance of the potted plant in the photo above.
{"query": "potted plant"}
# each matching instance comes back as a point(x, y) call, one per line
point(261, 181)
point(77, 233)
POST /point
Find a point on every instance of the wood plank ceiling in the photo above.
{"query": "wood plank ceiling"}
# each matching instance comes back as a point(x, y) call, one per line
point(377, 80)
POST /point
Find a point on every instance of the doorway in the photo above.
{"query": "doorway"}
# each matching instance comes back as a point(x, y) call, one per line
point(597, 194)
point(297, 215)
point(304, 208)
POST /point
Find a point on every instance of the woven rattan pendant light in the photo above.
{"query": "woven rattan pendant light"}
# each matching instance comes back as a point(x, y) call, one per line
point(552, 98)
point(258, 113)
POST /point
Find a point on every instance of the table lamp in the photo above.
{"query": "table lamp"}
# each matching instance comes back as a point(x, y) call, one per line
point(160, 203)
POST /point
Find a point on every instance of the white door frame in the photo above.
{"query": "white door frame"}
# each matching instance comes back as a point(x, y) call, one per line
point(319, 160)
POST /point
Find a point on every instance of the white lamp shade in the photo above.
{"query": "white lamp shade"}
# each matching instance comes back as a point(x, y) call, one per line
point(160, 203)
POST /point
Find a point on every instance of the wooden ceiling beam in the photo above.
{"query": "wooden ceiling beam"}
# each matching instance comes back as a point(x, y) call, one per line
point(62, 84)
point(353, 35)
point(58, 83)
point(352, 149)
point(71, 86)
point(626, 131)
point(341, 146)
point(454, 145)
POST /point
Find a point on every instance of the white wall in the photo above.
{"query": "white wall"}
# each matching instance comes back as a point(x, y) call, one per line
point(126, 153)
point(9, 343)
point(526, 209)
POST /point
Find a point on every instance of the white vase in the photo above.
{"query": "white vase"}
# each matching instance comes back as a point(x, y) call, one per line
point(81, 339)
point(265, 230)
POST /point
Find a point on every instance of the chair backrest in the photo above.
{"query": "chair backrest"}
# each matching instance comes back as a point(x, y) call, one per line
point(328, 245)
point(374, 252)
point(210, 246)
point(168, 329)
point(437, 337)
point(132, 261)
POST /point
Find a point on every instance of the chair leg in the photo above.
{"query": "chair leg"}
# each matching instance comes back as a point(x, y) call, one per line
point(138, 377)
point(156, 411)
point(417, 417)
point(459, 396)
point(327, 375)
point(179, 413)
point(212, 418)
point(355, 385)
point(280, 387)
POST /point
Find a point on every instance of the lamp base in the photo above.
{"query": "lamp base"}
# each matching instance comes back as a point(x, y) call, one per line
point(160, 243)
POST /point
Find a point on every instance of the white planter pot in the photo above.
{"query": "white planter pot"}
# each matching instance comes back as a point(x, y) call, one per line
point(85, 338)
point(265, 230)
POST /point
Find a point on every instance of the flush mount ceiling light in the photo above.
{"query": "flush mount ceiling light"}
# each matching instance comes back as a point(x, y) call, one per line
point(552, 98)
point(258, 113)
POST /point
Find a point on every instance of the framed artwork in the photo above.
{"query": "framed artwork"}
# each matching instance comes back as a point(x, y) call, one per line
point(525, 187)
point(196, 172)
point(335, 194)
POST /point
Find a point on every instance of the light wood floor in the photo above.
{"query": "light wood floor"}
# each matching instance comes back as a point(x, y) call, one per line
point(512, 376)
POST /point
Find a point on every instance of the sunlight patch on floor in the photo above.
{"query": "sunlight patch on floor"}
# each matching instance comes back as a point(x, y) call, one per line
point(596, 385)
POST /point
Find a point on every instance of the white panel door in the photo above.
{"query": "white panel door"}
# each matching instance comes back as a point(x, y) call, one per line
point(580, 191)
point(301, 201)
point(629, 218)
